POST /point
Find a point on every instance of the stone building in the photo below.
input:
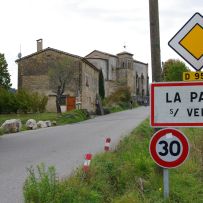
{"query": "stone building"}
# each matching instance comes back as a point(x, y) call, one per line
point(33, 76)
point(121, 69)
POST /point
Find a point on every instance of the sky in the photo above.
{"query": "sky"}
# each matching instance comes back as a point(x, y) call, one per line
point(81, 26)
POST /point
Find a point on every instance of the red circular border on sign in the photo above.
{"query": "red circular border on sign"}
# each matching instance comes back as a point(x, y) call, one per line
point(180, 136)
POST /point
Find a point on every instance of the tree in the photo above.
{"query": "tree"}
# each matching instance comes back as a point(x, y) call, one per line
point(8, 102)
point(61, 74)
point(101, 85)
point(173, 70)
point(4, 74)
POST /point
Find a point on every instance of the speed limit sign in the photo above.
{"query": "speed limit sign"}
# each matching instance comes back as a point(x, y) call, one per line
point(169, 148)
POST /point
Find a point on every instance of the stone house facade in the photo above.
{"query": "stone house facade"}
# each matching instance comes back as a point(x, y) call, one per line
point(33, 76)
point(121, 69)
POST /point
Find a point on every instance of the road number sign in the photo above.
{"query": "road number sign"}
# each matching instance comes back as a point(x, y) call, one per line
point(169, 148)
point(193, 76)
point(188, 41)
point(176, 104)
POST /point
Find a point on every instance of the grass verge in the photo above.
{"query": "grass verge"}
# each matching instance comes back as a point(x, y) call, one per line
point(127, 175)
point(61, 119)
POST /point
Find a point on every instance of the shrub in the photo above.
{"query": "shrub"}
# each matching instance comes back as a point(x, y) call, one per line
point(122, 94)
point(22, 101)
point(38, 102)
point(119, 100)
point(85, 113)
point(42, 103)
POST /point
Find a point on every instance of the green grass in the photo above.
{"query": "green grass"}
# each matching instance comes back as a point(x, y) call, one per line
point(128, 175)
point(61, 119)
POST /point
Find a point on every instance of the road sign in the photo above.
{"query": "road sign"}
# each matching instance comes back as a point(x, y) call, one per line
point(188, 41)
point(176, 104)
point(193, 76)
point(169, 148)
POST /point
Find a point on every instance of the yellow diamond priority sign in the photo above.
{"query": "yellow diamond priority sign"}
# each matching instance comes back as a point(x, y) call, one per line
point(188, 42)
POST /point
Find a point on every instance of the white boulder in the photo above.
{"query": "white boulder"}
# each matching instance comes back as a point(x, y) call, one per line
point(41, 124)
point(31, 124)
point(12, 126)
point(48, 123)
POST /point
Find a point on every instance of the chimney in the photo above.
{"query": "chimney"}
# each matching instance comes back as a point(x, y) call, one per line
point(39, 44)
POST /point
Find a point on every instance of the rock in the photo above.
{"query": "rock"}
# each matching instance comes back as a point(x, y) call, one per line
point(48, 123)
point(12, 126)
point(41, 124)
point(31, 124)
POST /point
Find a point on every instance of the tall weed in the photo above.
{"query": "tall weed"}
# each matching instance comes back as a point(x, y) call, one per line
point(41, 185)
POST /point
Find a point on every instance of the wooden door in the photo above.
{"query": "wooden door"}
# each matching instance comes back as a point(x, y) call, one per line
point(70, 103)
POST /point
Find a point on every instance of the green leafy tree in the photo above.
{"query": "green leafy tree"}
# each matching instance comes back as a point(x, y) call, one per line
point(8, 102)
point(5, 81)
point(173, 70)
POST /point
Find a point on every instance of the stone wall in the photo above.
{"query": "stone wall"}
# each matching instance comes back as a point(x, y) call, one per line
point(121, 68)
point(90, 87)
point(141, 70)
point(33, 75)
point(112, 86)
point(34, 83)
point(51, 105)
point(101, 64)
point(131, 80)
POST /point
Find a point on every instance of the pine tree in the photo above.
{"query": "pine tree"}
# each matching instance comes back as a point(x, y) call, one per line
point(5, 81)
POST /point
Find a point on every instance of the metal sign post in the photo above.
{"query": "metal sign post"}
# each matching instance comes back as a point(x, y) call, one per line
point(166, 183)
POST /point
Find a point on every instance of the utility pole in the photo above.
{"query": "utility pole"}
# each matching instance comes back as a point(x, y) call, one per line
point(155, 40)
point(156, 67)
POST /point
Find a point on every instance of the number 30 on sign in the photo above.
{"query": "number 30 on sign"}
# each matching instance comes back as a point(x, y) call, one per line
point(169, 148)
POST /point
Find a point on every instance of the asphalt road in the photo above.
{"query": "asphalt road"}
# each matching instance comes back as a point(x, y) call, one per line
point(61, 146)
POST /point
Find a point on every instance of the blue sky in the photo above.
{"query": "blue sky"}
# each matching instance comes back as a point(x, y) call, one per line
point(80, 26)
